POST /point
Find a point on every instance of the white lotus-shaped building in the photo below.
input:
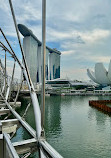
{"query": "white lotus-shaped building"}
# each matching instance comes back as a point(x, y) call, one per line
point(101, 75)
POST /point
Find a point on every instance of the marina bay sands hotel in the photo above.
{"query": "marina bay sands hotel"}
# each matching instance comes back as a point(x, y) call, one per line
point(32, 49)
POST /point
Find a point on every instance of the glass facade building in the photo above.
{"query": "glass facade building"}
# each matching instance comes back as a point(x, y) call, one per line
point(32, 49)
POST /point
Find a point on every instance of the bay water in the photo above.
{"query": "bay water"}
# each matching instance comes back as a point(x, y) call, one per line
point(72, 127)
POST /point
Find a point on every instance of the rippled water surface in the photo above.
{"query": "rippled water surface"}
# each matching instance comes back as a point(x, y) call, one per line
point(73, 128)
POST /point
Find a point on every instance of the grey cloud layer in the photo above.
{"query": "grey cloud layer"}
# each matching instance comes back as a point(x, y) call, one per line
point(82, 28)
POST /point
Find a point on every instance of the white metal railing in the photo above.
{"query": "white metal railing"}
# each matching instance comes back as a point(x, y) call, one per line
point(9, 150)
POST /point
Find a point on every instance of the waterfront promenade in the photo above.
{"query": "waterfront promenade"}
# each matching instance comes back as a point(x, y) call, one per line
point(59, 91)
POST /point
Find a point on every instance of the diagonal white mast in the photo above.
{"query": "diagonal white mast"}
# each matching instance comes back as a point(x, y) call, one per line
point(43, 62)
point(37, 112)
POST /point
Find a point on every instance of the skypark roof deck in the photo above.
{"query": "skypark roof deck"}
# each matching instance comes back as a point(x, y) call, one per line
point(27, 32)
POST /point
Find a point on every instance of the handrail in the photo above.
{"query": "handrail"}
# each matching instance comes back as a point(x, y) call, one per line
point(10, 146)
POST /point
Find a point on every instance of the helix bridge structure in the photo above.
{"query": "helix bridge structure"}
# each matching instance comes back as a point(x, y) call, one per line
point(9, 126)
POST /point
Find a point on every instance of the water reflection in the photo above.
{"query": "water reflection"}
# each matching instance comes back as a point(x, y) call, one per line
point(53, 116)
point(74, 128)
point(96, 114)
point(22, 134)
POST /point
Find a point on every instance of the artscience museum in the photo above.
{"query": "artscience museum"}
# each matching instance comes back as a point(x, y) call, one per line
point(100, 75)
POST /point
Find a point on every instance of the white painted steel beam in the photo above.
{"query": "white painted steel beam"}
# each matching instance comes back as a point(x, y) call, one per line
point(4, 111)
point(10, 147)
point(10, 122)
point(25, 146)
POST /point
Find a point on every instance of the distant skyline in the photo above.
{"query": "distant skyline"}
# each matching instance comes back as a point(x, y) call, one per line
point(81, 30)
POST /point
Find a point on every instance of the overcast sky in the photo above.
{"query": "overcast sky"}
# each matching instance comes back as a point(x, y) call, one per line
point(80, 29)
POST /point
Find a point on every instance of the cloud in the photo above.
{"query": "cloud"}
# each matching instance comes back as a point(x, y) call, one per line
point(95, 35)
point(70, 52)
point(9, 68)
point(88, 37)
point(74, 73)
point(80, 29)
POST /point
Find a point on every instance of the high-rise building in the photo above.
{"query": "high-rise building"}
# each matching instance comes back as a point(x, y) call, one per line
point(32, 49)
